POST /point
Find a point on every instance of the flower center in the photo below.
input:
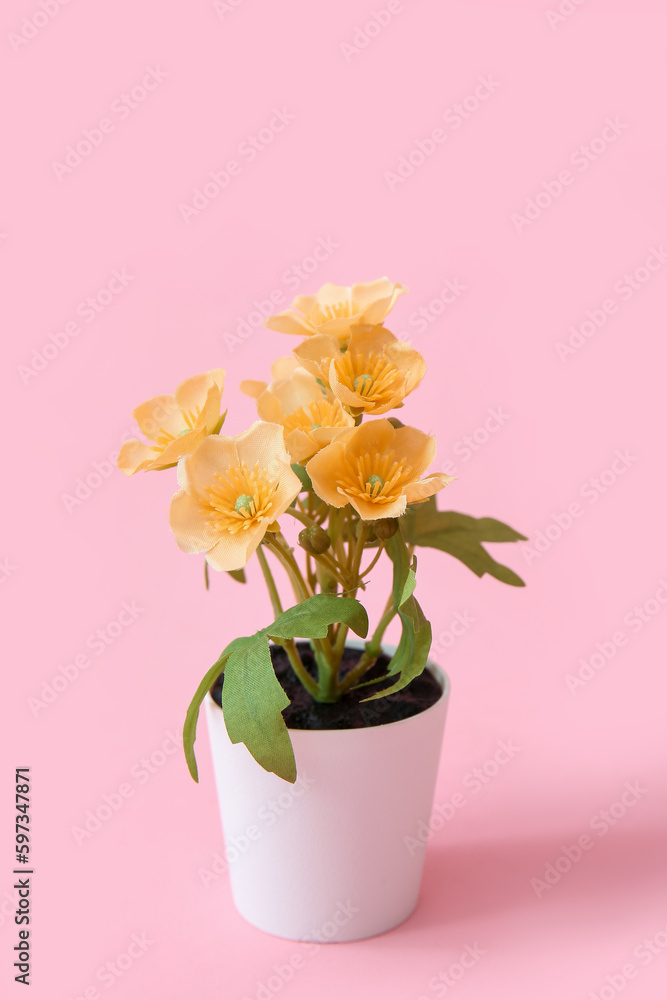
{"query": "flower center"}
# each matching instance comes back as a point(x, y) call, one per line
point(376, 478)
point(238, 498)
point(318, 413)
point(245, 505)
point(360, 384)
point(370, 376)
point(164, 437)
point(343, 309)
point(376, 483)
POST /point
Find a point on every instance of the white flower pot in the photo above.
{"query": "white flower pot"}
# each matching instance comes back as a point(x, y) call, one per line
point(326, 859)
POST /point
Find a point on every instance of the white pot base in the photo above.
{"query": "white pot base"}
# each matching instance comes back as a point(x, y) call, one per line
point(326, 859)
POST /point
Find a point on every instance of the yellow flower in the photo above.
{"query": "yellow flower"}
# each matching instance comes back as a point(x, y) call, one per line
point(374, 374)
point(308, 412)
point(175, 424)
point(233, 489)
point(336, 309)
point(377, 468)
point(281, 368)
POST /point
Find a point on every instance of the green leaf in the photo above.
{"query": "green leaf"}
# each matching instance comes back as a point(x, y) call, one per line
point(192, 714)
point(411, 655)
point(414, 645)
point(461, 536)
point(397, 551)
point(300, 471)
point(252, 704)
point(252, 696)
point(311, 619)
point(236, 574)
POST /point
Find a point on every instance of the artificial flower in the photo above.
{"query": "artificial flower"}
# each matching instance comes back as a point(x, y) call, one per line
point(309, 413)
point(233, 489)
point(337, 309)
point(281, 368)
point(377, 468)
point(374, 374)
point(175, 424)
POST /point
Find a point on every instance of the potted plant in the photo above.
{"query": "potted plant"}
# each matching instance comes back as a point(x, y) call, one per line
point(325, 747)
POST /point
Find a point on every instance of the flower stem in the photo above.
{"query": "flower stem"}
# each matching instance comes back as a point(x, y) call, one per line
point(326, 688)
point(372, 650)
point(355, 563)
point(270, 583)
point(310, 684)
point(279, 547)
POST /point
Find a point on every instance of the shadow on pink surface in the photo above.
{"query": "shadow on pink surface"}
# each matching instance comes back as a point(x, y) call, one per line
point(486, 878)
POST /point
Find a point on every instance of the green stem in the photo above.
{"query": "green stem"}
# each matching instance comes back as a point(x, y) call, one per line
point(371, 652)
point(310, 684)
point(355, 564)
point(270, 583)
point(279, 547)
point(373, 561)
point(300, 516)
point(288, 645)
point(326, 688)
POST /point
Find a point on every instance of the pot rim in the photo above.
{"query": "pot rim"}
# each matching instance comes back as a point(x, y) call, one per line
point(441, 677)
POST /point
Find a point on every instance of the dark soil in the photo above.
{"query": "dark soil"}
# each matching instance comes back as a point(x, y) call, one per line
point(306, 713)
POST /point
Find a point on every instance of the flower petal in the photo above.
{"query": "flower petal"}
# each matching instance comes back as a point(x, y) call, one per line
point(191, 394)
point(290, 321)
point(251, 387)
point(375, 436)
point(371, 339)
point(370, 511)
point(161, 413)
point(417, 448)
point(322, 470)
point(183, 445)
point(261, 443)
point(134, 456)
point(417, 492)
point(315, 353)
point(376, 298)
point(188, 521)
point(213, 456)
point(283, 367)
point(233, 551)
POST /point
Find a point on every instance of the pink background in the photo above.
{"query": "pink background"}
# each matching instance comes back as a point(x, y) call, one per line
point(67, 572)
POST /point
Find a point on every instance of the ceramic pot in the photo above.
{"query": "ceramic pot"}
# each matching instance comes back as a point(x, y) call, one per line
point(327, 859)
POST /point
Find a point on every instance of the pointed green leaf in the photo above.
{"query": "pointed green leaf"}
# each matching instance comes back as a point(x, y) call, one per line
point(252, 710)
point(311, 619)
point(411, 655)
point(397, 551)
point(252, 704)
point(461, 536)
point(303, 476)
point(415, 643)
point(236, 574)
point(192, 714)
